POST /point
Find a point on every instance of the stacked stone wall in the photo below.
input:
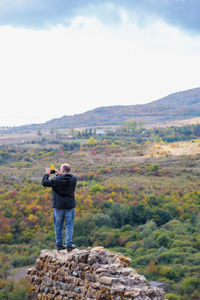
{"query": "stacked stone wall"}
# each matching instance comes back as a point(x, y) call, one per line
point(94, 273)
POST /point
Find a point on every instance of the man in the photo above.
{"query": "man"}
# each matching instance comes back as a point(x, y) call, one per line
point(63, 201)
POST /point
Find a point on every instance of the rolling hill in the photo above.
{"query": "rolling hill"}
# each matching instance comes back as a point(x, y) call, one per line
point(177, 106)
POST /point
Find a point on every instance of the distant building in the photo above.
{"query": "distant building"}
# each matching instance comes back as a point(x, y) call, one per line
point(101, 133)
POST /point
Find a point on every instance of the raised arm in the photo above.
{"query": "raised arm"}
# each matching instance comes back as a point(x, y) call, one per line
point(49, 182)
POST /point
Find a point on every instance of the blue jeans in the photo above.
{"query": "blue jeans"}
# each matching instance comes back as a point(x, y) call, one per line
point(61, 215)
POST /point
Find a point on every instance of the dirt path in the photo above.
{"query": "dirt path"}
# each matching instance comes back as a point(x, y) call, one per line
point(18, 273)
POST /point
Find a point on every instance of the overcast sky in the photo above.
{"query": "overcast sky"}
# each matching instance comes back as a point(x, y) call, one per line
point(68, 56)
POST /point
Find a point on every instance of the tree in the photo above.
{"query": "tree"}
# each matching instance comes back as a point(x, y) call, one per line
point(152, 268)
point(92, 141)
point(190, 284)
point(161, 217)
point(119, 215)
point(97, 188)
point(72, 130)
point(101, 219)
point(164, 240)
point(39, 131)
point(131, 125)
point(140, 214)
point(52, 131)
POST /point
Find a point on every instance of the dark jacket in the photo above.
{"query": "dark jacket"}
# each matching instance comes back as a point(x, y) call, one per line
point(63, 187)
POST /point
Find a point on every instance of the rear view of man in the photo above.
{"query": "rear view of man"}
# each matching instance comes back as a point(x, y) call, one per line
point(63, 201)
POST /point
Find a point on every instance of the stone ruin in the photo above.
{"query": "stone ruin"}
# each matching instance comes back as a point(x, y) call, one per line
point(94, 273)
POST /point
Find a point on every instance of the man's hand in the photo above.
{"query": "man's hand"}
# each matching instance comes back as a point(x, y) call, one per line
point(48, 171)
point(57, 172)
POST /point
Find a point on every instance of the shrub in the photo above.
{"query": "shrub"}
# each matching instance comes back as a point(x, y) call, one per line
point(126, 227)
point(82, 241)
point(106, 239)
point(149, 243)
point(152, 268)
point(153, 200)
point(21, 261)
point(169, 273)
point(189, 285)
point(170, 257)
point(144, 260)
point(134, 245)
point(84, 226)
point(161, 217)
point(97, 188)
point(155, 168)
point(164, 240)
point(70, 146)
point(101, 219)
point(140, 214)
point(119, 215)
point(172, 297)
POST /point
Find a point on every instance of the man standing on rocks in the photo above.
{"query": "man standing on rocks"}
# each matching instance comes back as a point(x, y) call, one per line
point(63, 201)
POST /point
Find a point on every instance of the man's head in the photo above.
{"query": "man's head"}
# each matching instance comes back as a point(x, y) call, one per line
point(65, 168)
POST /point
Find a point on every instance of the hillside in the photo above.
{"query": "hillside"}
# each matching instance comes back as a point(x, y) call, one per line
point(177, 106)
point(184, 104)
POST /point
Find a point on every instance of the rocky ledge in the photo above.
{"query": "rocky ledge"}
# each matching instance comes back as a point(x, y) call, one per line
point(94, 273)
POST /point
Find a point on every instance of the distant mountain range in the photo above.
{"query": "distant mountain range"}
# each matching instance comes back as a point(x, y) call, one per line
point(177, 106)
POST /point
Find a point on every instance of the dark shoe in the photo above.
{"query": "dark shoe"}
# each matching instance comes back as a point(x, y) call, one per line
point(71, 247)
point(61, 247)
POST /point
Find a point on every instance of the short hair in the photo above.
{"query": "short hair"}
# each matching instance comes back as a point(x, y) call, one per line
point(65, 167)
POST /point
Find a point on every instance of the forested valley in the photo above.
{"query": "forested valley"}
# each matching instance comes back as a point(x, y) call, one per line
point(138, 193)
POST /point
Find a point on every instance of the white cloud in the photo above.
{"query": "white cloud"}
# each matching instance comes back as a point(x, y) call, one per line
point(67, 70)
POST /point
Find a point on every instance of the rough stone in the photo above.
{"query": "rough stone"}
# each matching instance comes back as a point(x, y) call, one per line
point(83, 257)
point(128, 271)
point(100, 270)
point(47, 281)
point(108, 280)
point(46, 290)
point(38, 281)
point(63, 286)
point(131, 293)
point(75, 273)
point(123, 260)
point(89, 274)
point(29, 271)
